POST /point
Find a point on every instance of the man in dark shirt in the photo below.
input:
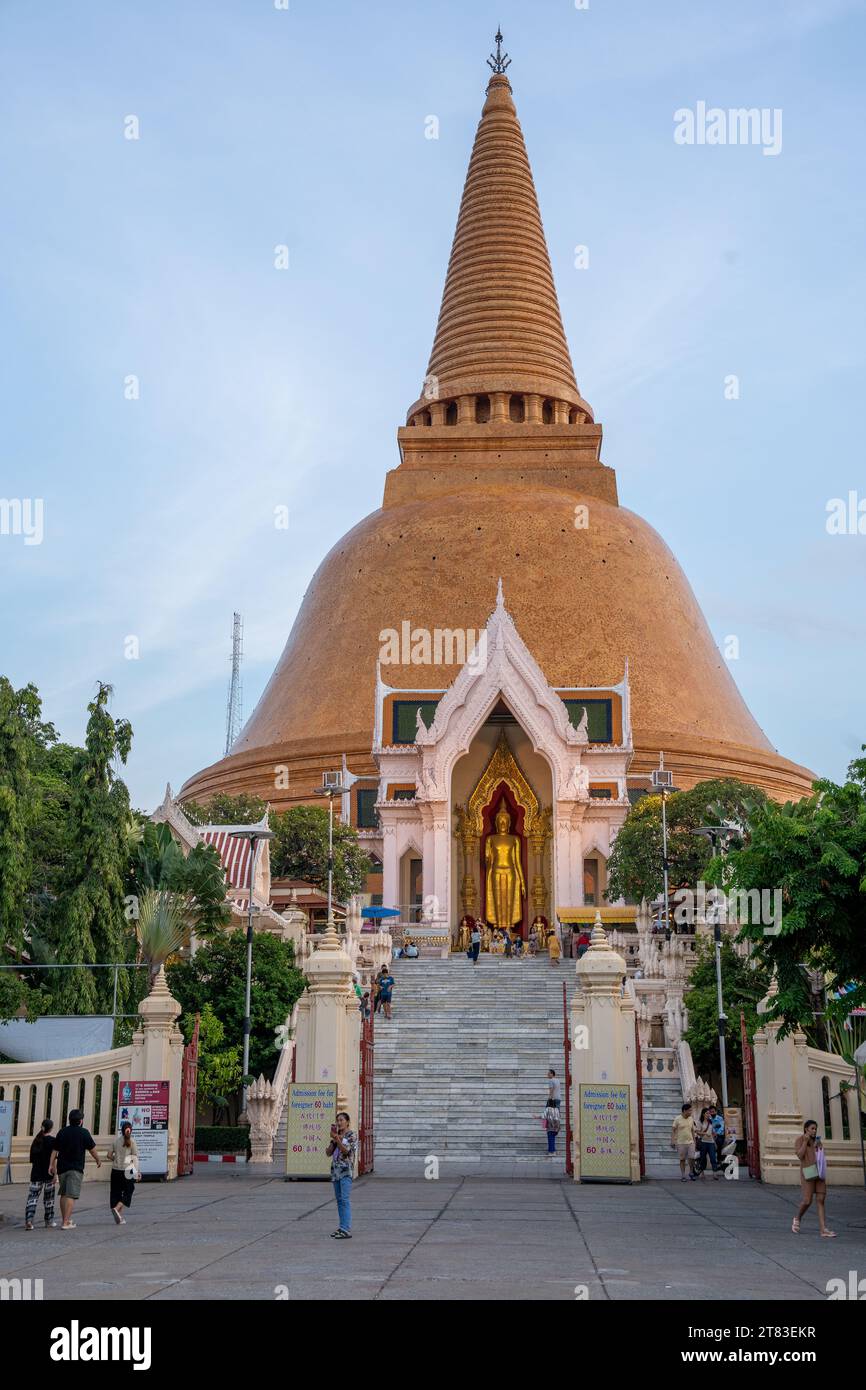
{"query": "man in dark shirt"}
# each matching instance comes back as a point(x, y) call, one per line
point(71, 1147)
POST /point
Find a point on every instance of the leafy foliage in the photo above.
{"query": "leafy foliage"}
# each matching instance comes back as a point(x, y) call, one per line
point(635, 869)
point(89, 924)
point(814, 850)
point(22, 733)
point(219, 1065)
point(216, 975)
point(159, 863)
point(300, 850)
point(744, 985)
point(223, 809)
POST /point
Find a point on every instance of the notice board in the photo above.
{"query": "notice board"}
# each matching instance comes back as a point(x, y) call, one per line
point(604, 1114)
point(144, 1105)
point(311, 1110)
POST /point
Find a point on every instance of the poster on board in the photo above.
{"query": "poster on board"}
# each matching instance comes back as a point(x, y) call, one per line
point(7, 1120)
point(311, 1110)
point(144, 1104)
point(604, 1116)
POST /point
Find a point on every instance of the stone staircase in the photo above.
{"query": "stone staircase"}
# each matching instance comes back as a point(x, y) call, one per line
point(662, 1098)
point(461, 1069)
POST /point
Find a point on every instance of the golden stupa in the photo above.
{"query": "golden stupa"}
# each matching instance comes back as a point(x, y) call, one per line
point(500, 475)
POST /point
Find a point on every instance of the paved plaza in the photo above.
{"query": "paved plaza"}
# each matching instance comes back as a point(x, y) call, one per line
point(236, 1235)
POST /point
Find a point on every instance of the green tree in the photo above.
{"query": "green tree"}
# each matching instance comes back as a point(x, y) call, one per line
point(89, 925)
point(299, 849)
point(216, 976)
point(744, 985)
point(814, 852)
point(159, 864)
point(222, 809)
point(635, 867)
point(219, 1066)
point(22, 733)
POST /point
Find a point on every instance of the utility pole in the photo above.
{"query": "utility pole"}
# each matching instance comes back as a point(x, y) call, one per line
point(234, 706)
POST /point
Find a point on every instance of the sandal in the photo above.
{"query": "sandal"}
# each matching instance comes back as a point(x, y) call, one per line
point(795, 1226)
point(68, 1226)
point(28, 1225)
point(343, 1235)
point(828, 1234)
point(116, 1215)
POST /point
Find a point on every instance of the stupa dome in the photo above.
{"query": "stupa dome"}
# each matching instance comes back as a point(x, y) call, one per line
point(500, 476)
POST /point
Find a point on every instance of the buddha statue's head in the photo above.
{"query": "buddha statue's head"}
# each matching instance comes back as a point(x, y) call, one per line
point(503, 822)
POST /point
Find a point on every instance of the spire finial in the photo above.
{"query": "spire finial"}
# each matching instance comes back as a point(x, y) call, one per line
point(498, 61)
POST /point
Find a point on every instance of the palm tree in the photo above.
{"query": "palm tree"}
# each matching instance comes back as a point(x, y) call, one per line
point(162, 927)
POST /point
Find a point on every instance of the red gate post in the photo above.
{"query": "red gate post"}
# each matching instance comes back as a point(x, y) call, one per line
point(188, 1090)
point(365, 1125)
point(639, 1075)
point(750, 1096)
point(569, 1156)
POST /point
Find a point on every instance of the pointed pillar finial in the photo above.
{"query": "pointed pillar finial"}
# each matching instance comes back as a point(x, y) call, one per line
point(498, 61)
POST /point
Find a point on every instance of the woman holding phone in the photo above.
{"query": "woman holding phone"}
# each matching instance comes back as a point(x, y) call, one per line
point(813, 1176)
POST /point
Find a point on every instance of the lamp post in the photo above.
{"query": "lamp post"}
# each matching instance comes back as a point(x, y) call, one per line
point(663, 782)
point(253, 833)
point(332, 785)
point(716, 834)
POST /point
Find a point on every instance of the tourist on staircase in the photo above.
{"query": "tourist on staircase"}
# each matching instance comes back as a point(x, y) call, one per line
point(554, 1094)
point(554, 948)
point(386, 985)
point(475, 943)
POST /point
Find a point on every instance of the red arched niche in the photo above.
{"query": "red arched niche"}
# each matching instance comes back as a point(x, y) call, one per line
point(503, 793)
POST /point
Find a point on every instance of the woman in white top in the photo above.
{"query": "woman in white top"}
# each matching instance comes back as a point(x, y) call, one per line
point(124, 1171)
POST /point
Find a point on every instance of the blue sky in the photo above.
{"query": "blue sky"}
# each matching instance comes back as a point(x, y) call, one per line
point(261, 387)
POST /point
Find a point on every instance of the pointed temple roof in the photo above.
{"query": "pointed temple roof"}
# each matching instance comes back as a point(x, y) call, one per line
point(499, 325)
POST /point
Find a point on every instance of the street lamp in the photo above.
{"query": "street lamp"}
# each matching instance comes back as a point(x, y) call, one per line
point(716, 834)
point(253, 833)
point(663, 782)
point(332, 785)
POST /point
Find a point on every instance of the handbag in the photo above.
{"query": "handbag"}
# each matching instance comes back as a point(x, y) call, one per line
point(810, 1172)
point(130, 1169)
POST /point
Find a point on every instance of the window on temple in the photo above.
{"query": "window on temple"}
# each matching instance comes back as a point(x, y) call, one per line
point(482, 410)
point(547, 413)
point(404, 794)
point(599, 724)
point(376, 900)
point(517, 409)
point(635, 794)
point(368, 816)
point(451, 413)
point(601, 793)
point(405, 720)
point(375, 865)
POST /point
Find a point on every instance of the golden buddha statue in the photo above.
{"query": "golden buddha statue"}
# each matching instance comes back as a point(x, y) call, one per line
point(505, 884)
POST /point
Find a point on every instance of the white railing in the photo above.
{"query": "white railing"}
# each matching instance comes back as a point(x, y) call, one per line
point(695, 1090)
point(49, 1090)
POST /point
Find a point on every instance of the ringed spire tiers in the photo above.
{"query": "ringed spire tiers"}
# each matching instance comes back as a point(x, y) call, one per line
point(500, 328)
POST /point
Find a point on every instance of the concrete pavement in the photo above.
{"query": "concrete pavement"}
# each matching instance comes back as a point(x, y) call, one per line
point(234, 1234)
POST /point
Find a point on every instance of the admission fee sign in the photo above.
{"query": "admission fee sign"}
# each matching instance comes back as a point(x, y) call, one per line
point(145, 1105)
point(312, 1109)
point(605, 1132)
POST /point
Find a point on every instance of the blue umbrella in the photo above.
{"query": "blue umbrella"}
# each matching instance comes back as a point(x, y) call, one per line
point(380, 912)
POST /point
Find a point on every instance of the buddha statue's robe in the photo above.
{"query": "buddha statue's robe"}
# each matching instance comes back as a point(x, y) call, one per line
point(505, 884)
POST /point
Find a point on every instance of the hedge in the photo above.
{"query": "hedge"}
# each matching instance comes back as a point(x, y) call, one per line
point(228, 1139)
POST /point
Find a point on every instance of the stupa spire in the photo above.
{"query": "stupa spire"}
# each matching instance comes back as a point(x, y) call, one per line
point(499, 326)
